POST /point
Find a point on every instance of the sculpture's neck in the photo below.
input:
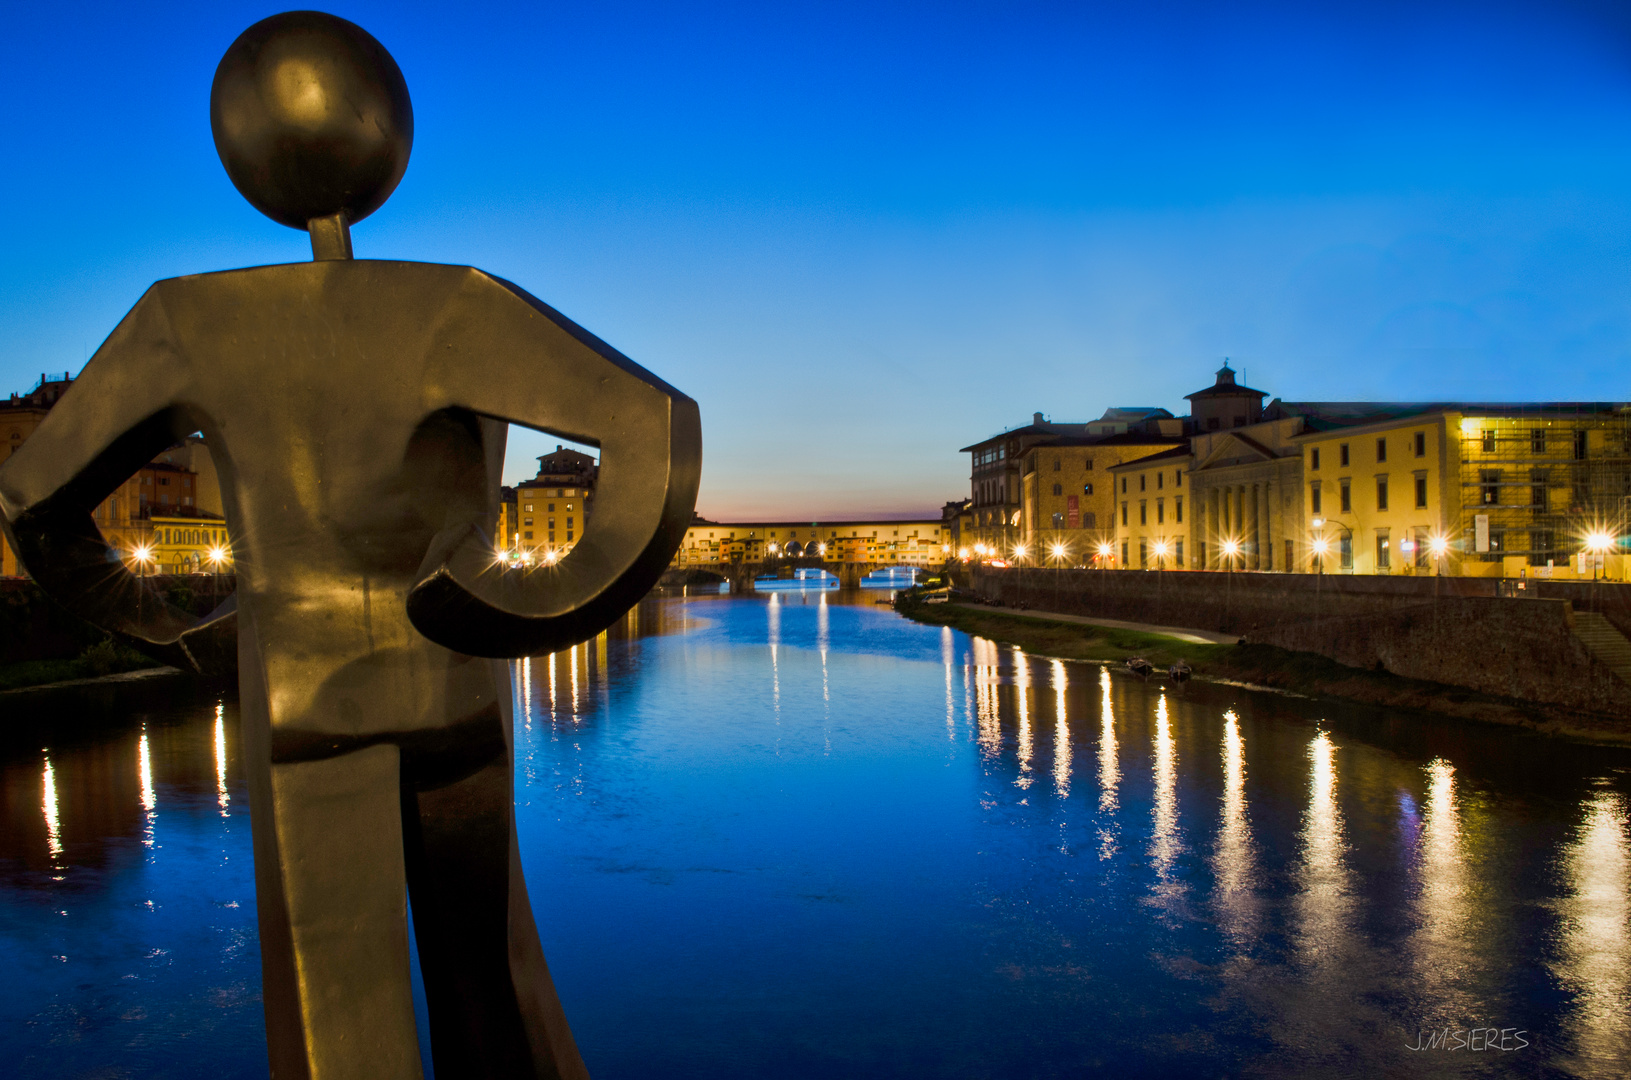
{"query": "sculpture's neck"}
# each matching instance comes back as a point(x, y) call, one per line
point(330, 237)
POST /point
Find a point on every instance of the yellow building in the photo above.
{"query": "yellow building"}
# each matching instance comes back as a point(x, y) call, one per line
point(1001, 480)
point(1069, 498)
point(1480, 491)
point(186, 544)
point(551, 510)
point(1151, 518)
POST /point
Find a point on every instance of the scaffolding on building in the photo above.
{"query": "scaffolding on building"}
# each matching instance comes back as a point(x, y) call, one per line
point(1544, 477)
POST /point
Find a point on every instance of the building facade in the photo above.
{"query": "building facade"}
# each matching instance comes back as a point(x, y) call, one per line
point(551, 510)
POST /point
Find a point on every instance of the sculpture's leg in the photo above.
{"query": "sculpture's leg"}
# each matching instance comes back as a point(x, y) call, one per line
point(333, 917)
point(493, 1007)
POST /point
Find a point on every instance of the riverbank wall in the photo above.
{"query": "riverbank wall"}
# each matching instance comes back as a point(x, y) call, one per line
point(1455, 631)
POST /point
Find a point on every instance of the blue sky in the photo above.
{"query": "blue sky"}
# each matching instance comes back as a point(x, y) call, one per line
point(863, 236)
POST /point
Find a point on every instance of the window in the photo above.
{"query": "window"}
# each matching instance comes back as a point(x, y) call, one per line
point(1124, 553)
point(1345, 552)
point(1056, 465)
point(1422, 547)
point(1160, 511)
point(1178, 478)
point(1087, 489)
point(1342, 455)
point(1542, 548)
point(1421, 444)
point(1580, 446)
point(1489, 440)
point(1178, 510)
point(1089, 465)
point(1143, 553)
point(529, 508)
point(1314, 459)
point(1421, 493)
point(1058, 489)
point(1090, 520)
point(1381, 549)
point(1141, 479)
point(1314, 497)
point(1381, 493)
point(1537, 490)
point(1143, 512)
point(1124, 514)
point(1489, 487)
point(1347, 498)
point(1537, 441)
point(551, 508)
point(1124, 485)
point(1178, 553)
point(1381, 451)
point(552, 536)
point(526, 521)
point(1497, 545)
point(527, 535)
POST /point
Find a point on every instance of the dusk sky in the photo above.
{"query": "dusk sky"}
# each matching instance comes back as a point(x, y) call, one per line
point(863, 237)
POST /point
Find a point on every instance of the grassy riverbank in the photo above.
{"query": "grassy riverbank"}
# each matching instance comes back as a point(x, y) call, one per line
point(1265, 665)
point(106, 657)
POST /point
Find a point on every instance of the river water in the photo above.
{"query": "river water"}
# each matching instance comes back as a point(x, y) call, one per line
point(795, 835)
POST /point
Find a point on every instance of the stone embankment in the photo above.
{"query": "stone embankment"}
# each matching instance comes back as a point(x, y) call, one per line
point(1556, 643)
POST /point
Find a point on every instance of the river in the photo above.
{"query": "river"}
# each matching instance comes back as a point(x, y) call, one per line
point(795, 835)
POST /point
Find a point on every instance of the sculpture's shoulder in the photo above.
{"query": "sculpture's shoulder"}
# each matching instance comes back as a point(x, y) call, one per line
point(326, 274)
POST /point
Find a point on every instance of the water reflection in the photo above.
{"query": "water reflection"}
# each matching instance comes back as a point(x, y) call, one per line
point(1234, 862)
point(222, 798)
point(1441, 948)
point(1109, 769)
point(53, 824)
point(1595, 960)
point(948, 657)
point(149, 800)
point(1324, 898)
point(1022, 747)
point(1165, 843)
point(1061, 732)
point(986, 681)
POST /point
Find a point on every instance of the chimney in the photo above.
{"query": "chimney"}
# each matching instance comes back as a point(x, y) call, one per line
point(1036, 418)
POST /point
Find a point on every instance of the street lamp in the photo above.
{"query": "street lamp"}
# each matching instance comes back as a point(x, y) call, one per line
point(1439, 546)
point(1597, 542)
point(1106, 550)
point(1160, 552)
point(1231, 548)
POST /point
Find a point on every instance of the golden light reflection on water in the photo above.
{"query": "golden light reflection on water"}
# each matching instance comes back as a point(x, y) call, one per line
point(1595, 955)
point(1165, 843)
point(773, 616)
point(48, 799)
point(221, 798)
point(948, 656)
point(1235, 861)
point(1324, 900)
point(144, 768)
point(572, 666)
point(1109, 769)
point(1023, 748)
point(1441, 947)
point(1061, 732)
point(985, 690)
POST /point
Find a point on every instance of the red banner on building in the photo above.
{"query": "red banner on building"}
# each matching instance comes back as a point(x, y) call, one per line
point(1073, 512)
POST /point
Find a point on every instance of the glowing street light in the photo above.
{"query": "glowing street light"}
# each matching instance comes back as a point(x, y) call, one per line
point(1058, 551)
point(218, 555)
point(1597, 542)
point(1231, 548)
point(1020, 551)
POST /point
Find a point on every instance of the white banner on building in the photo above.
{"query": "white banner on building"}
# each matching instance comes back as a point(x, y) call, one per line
point(1480, 532)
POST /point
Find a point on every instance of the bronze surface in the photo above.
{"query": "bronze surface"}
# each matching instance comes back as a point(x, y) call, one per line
point(356, 414)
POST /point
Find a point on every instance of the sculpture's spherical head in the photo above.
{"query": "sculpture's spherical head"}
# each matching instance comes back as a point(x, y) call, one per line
point(311, 118)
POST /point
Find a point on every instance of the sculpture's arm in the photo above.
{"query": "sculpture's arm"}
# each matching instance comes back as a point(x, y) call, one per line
point(122, 410)
point(507, 356)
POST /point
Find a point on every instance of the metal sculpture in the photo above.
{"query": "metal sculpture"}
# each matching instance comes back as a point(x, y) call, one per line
point(356, 412)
